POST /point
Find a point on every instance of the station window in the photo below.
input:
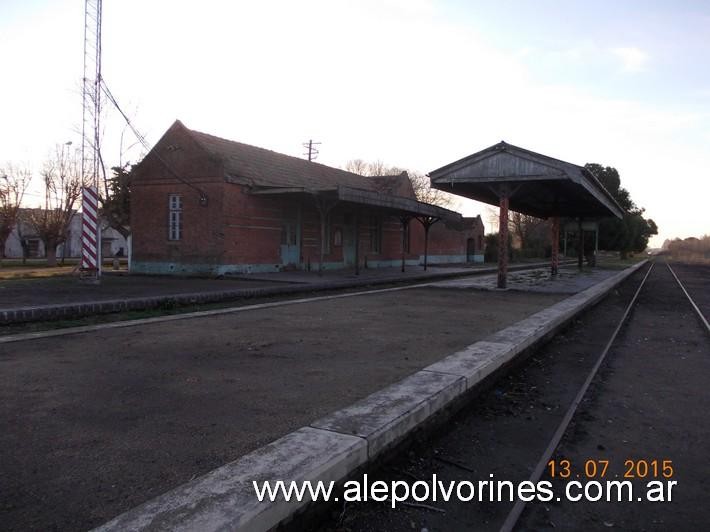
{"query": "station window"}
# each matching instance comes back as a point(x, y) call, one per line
point(175, 217)
point(376, 234)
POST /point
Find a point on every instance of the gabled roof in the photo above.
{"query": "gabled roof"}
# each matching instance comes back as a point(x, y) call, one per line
point(259, 167)
point(267, 172)
point(541, 186)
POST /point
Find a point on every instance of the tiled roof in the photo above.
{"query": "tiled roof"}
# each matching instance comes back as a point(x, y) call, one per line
point(259, 167)
point(395, 185)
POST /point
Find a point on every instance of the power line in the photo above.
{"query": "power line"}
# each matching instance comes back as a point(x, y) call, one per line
point(147, 147)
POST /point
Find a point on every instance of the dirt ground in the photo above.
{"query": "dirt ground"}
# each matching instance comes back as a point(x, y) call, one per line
point(96, 423)
point(696, 280)
point(650, 401)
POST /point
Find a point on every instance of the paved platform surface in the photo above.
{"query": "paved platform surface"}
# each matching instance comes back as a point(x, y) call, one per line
point(97, 423)
point(569, 280)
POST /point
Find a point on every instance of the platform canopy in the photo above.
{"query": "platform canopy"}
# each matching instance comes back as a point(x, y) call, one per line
point(529, 183)
point(534, 184)
point(394, 205)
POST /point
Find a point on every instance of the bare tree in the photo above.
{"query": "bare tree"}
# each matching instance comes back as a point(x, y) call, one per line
point(529, 230)
point(424, 192)
point(357, 166)
point(420, 182)
point(62, 189)
point(22, 236)
point(14, 180)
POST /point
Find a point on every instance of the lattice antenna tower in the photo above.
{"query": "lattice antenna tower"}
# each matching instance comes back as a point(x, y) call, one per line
point(90, 143)
point(91, 94)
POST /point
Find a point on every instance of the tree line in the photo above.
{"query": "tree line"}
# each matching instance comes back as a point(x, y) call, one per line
point(62, 181)
point(530, 236)
point(691, 249)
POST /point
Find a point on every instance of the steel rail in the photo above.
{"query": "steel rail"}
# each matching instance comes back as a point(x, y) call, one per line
point(517, 510)
point(695, 307)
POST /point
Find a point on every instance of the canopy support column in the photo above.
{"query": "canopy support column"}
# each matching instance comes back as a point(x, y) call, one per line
point(503, 195)
point(427, 222)
point(555, 241)
point(564, 252)
point(324, 207)
point(580, 244)
point(357, 243)
point(404, 220)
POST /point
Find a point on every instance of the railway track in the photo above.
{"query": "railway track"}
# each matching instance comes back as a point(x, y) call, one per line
point(697, 310)
point(541, 467)
point(657, 338)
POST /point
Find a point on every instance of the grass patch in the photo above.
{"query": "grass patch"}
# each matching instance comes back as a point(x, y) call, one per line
point(13, 269)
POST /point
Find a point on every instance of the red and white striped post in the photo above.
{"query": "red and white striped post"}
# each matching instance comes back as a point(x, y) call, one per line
point(90, 234)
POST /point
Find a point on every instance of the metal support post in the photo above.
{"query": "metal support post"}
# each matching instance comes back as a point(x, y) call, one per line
point(580, 244)
point(555, 241)
point(503, 239)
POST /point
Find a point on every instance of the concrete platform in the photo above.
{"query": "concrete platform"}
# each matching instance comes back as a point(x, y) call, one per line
point(569, 280)
point(102, 419)
point(379, 421)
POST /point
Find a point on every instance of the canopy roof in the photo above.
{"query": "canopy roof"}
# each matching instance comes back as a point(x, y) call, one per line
point(394, 205)
point(536, 184)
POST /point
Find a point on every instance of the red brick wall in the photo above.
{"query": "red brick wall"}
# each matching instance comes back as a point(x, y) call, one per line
point(239, 228)
point(448, 240)
point(202, 240)
point(252, 227)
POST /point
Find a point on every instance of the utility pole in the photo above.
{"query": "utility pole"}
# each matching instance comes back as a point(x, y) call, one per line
point(312, 150)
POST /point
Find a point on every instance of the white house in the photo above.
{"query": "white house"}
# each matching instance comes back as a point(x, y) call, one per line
point(112, 242)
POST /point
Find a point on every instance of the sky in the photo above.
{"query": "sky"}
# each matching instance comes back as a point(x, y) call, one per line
point(414, 83)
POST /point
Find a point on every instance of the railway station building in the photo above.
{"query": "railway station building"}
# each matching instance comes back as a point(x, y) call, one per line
point(201, 204)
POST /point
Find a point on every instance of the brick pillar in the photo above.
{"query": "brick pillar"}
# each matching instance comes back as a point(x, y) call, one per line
point(555, 241)
point(503, 241)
